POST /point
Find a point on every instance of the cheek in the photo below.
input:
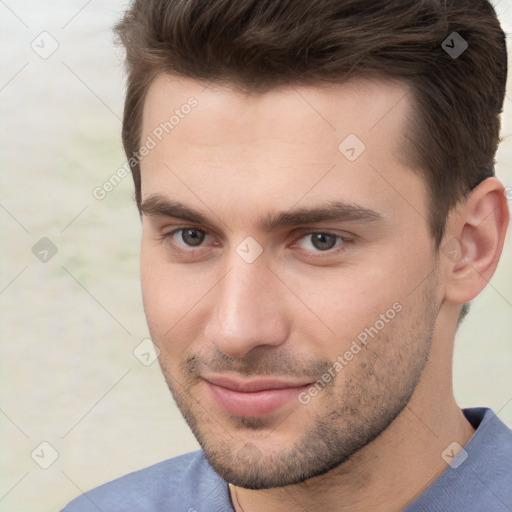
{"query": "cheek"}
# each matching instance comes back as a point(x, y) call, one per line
point(350, 299)
point(150, 276)
point(369, 303)
point(172, 296)
point(162, 301)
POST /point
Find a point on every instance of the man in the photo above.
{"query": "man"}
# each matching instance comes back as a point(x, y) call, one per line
point(318, 200)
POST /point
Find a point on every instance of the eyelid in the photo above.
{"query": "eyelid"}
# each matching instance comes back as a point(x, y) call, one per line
point(342, 238)
point(345, 239)
point(169, 237)
point(325, 231)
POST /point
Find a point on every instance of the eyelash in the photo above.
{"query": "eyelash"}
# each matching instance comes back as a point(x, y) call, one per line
point(168, 238)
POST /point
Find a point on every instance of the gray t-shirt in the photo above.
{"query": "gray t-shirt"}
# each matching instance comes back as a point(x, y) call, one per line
point(479, 479)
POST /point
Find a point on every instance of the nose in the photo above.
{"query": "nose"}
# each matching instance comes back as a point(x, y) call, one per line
point(249, 310)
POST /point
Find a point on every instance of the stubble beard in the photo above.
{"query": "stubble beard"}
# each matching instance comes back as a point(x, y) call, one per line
point(344, 420)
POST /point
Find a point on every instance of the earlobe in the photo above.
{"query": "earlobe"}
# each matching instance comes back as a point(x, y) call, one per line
point(474, 241)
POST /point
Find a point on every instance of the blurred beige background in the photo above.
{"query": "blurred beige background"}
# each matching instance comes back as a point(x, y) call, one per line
point(70, 324)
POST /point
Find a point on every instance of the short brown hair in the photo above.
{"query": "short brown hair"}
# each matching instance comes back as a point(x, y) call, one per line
point(255, 45)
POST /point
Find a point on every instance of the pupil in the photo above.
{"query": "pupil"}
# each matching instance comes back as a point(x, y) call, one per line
point(192, 236)
point(319, 241)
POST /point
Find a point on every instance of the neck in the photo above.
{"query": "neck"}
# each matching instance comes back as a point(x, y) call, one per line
point(384, 475)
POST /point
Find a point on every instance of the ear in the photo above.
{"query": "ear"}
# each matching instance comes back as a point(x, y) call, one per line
point(473, 241)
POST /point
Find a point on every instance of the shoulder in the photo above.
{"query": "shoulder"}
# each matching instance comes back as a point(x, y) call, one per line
point(491, 451)
point(182, 482)
point(479, 477)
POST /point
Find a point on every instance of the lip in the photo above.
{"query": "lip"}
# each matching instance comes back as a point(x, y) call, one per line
point(252, 398)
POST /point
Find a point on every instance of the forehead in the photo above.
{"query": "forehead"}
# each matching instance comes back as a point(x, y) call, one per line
point(361, 104)
point(290, 144)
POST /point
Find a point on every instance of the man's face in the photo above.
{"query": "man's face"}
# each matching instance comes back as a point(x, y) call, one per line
point(251, 307)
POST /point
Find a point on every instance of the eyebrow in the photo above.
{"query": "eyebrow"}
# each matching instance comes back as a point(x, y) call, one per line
point(157, 205)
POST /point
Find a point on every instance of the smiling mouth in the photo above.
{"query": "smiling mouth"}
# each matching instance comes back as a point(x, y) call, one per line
point(255, 397)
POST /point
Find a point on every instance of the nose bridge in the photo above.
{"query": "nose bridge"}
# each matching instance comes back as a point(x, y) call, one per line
point(248, 311)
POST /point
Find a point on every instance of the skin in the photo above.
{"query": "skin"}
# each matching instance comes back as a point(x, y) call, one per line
point(292, 311)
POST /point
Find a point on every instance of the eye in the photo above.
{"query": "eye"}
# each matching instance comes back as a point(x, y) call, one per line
point(191, 236)
point(322, 241)
point(188, 237)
